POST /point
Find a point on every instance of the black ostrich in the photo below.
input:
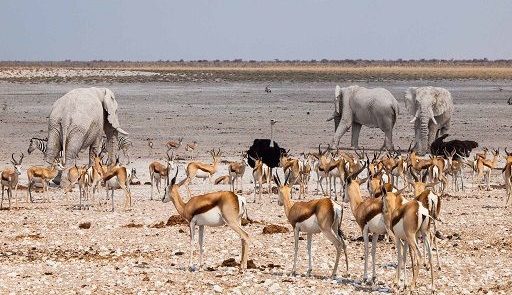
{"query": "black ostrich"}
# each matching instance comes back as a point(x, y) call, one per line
point(267, 150)
point(460, 147)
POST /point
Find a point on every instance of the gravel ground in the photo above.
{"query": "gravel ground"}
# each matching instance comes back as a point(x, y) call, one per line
point(43, 250)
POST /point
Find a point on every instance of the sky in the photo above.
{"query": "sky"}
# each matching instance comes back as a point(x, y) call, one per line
point(260, 30)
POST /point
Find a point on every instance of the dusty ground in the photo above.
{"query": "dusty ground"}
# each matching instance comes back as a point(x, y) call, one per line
point(43, 250)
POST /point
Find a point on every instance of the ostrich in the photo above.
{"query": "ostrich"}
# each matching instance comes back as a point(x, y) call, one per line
point(267, 89)
point(268, 150)
point(461, 147)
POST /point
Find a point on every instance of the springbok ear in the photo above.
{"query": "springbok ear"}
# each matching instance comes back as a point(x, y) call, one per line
point(110, 106)
point(410, 100)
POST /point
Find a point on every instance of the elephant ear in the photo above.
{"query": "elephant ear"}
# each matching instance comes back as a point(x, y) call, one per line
point(442, 101)
point(410, 100)
point(110, 105)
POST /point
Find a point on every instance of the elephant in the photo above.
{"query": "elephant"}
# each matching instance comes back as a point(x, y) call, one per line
point(355, 106)
point(432, 108)
point(78, 121)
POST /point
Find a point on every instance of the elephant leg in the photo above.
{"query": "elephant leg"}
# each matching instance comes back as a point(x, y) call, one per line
point(356, 129)
point(432, 130)
point(388, 139)
point(417, 136)
point(342, 129)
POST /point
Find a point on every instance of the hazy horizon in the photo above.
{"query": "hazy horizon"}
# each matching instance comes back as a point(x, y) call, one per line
point(254, 30)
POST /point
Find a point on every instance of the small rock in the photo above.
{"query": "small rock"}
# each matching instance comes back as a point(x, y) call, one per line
point(217, 289)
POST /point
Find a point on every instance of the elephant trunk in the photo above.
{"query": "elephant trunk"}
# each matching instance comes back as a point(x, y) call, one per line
point(423, 134)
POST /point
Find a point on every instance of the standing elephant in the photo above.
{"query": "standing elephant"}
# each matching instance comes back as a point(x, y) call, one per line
point(432, 108)
point(355, 106)
point(78, 121)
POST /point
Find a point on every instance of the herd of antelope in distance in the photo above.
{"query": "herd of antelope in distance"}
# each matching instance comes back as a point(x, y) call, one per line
point(405, 193)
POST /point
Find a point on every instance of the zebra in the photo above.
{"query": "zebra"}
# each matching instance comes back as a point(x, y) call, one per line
point(123, 144)
point(40, 144)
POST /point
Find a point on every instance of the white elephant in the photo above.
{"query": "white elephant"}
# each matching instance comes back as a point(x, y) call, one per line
point(355, 106)
point(432, 108)
point(78, 121)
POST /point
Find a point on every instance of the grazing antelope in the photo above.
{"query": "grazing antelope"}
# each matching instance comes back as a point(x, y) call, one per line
point(312, 217)
point(45, 174)
point(305, 175)
point(432, 202)
point(150, 145)
point(224, 179)
point(436, 171)
point(418, 185)
point(455, 169)
point(157, 171)
point(73, 177)
point(202, 170)
point(417, 163)
point(368, 215)
point(507, 176)
point(122, 179)
point(407, 220)
point(191, 146)
point(95, 175)
point(174, 144)
point(260, 174)
point(484, 167)
point(9, 178)
point(328, 170)
point(84, 182)
point(212, 209)
point(236, 172)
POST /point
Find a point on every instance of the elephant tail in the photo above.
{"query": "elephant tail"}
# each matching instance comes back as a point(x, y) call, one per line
point(64, 130)
point(395, 114)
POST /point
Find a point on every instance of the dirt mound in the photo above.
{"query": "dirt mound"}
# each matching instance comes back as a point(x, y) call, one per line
point(231, 262)
point(176, 220)
point(275, 229)
point(84, 225)
point(160, 224)
point(133, 225)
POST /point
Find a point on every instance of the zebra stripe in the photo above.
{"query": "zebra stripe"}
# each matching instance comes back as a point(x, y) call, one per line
point(123, 143)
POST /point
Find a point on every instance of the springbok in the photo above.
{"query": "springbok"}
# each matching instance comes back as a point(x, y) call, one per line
point(368, 215)
point(158, 170)
point(45, 174)
point(312, 217)
point(212, 209)
point(202, 170)
point(9, 178)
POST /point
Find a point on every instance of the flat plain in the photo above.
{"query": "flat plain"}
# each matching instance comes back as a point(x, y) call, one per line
point(43, 250)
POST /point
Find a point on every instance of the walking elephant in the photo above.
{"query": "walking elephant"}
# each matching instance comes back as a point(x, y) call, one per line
point(355, 106)
point(78, 121)
point(432, 108)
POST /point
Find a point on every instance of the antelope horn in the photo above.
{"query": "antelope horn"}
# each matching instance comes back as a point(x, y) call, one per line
point(173, 180)
point(12, 156)
point(355, 174)
point(413, 175)
point(287, 178)
point(21, 158)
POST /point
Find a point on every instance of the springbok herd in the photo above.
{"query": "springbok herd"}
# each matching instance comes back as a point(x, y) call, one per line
point(404, 201)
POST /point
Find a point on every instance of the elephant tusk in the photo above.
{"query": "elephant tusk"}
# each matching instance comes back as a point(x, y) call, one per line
point(413, 119)
point(122, 131)
point(434, 120)
point(333, 116)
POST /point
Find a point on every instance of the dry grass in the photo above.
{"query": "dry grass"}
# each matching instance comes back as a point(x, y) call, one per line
point(281, 71)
